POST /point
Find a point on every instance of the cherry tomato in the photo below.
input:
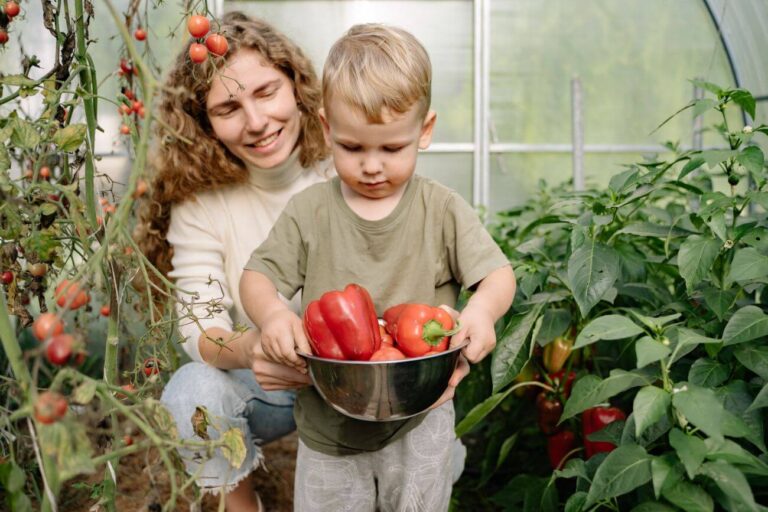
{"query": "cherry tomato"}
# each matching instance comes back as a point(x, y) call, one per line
point(125, 109)
point(128, 93)
point(140, 112)
point(105, 310)
point(141, 189)
point(198, 25)
point(47, 325)
point(59, 349)
point(126, 67)
point(7, 277)
point(70, 293)
point(103, 201)
point(387, 353)
point(45, 172)
point(136, 105)
point(127, 440)
point(197, 53)
point(12, 9)
point(130, 388)
point(125, 129)
point(3, 36)
point(151, 366)
point(38, 269)
point(217, 44)
point(50, 407)
point(80, 357)
point(140, 34)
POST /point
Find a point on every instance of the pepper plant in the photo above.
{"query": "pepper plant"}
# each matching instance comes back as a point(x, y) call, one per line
point(660, 277)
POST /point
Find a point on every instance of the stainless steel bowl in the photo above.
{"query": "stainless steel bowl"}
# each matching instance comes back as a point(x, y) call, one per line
point(383, 390)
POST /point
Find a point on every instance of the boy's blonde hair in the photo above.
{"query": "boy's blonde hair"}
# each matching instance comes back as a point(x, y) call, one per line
point(378, 69)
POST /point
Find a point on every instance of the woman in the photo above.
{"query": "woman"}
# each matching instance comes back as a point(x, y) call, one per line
point(237, 138)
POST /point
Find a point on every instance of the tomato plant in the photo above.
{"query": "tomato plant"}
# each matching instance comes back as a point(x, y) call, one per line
point(65, 240)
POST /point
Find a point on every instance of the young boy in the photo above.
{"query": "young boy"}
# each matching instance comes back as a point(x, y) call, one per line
point(404, 238)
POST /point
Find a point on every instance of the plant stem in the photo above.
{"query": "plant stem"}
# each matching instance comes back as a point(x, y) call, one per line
point(12, 348)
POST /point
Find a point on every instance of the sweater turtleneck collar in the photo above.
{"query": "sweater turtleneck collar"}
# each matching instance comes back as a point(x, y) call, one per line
point(276, 177)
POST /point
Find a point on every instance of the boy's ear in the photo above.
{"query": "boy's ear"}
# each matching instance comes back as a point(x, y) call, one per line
point(326, 126)
point(425, 139)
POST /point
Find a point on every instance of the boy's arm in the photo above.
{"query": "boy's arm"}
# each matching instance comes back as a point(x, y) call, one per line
point(492, 299)
point(281, 329)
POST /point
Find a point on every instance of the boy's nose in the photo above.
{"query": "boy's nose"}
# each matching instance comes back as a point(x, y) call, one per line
point(372, 165)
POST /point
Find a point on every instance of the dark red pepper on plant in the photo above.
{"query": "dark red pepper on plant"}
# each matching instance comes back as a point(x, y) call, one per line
point(343, 324)
point(559, 445)
point(419, 328)
point(548, 409)
point(594, 420)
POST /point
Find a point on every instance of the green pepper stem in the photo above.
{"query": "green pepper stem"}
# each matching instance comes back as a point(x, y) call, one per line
point(433, 331)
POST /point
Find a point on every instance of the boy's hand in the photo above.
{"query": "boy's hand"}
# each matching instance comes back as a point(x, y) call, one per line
point(477, 325)
point(281, 334)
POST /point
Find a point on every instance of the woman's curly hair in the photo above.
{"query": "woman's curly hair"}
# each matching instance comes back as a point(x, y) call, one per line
point(186, 157)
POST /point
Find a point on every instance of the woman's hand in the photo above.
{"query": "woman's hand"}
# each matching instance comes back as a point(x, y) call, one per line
point(272, 376)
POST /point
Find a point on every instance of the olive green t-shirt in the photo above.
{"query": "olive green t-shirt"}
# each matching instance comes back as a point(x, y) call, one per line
point(431, 245)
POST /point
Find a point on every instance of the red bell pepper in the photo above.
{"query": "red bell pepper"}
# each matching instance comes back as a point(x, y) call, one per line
point(594, 420)
point(418, 328)
point(556, 353)
point(559, 445)
point(343, 325)
point(549, 409)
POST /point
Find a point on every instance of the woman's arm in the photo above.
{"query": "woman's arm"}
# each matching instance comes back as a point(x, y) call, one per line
point(243, 350)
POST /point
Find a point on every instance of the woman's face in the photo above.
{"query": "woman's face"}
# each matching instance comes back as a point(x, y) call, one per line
point(252, 109)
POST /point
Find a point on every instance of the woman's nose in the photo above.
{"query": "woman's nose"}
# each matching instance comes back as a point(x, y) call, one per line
point(255, 119)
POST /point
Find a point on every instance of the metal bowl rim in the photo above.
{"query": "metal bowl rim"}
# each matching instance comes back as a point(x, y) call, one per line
point(394, 361)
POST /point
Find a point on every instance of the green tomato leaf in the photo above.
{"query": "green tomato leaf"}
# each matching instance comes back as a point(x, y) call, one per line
point(555, 322)
point(576, 502)
point(70, 137)
point(24, 134)
point(693, 164)
point(651, 403)
point(592, 270)
point(624, 469)
point(748, 323)
point(608, 327)
point(647, 229)
point(695, 259)
point(731, 452)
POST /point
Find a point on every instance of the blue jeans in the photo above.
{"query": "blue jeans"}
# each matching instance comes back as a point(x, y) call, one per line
point(233, 399)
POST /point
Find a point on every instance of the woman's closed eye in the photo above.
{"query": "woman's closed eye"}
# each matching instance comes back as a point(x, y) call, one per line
point(393, 149)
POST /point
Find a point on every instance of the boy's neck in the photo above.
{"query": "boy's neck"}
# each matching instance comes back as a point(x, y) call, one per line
point(368, 208)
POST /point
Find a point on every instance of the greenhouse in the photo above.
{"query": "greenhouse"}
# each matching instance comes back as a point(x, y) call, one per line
point(384, 255)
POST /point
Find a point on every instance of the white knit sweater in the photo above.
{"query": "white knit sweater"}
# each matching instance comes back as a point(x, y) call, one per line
point(213, 234)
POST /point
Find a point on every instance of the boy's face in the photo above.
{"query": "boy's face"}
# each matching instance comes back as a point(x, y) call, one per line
point(375, 160)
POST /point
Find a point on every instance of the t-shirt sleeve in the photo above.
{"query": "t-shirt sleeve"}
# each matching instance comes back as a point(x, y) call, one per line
point(282, 257)
point(198, 270)
point(472, 252)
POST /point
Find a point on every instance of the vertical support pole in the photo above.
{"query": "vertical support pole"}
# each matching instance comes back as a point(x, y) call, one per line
point(698, 122)
point(577, 134)
point(481, 160)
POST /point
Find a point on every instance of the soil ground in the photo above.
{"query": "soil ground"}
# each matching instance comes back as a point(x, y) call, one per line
point(143, 484)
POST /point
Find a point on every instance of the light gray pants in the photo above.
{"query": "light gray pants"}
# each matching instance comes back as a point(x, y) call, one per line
point(413, 474)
